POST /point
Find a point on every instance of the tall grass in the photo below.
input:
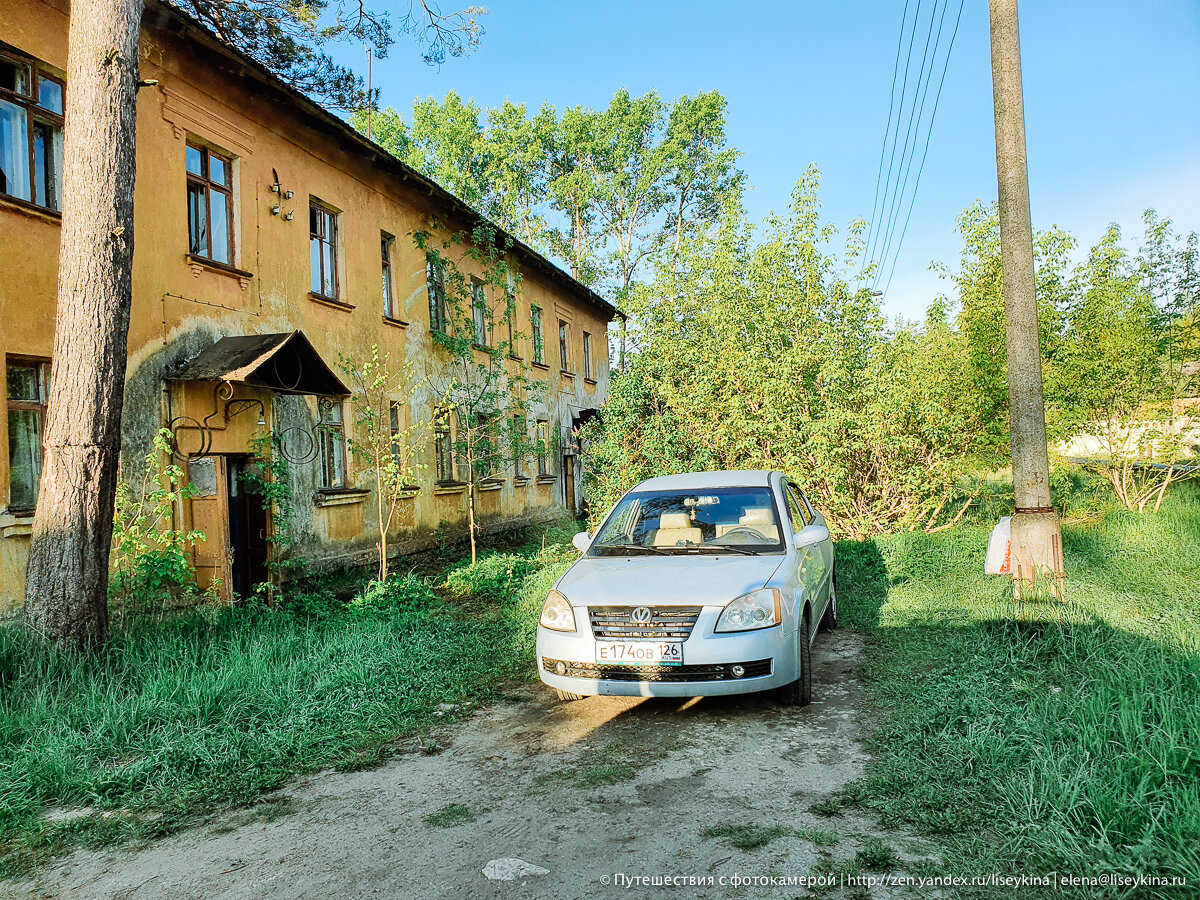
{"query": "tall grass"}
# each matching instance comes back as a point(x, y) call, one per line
point(173, 721)
point(1040, 736)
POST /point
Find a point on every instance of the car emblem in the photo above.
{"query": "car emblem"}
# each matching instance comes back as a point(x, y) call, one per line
point(641, 615)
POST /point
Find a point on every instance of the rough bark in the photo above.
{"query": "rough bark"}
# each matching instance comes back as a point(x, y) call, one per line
point(66, 591)
point(1036, 538)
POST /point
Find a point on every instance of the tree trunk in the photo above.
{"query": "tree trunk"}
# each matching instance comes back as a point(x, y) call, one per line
point(66, 595)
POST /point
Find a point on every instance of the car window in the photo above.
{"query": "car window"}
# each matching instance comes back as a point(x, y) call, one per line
point(692, 521)
point(797, 510)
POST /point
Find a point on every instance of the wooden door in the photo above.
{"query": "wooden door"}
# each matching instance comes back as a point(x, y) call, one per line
point(569, 481)
point(212, 557)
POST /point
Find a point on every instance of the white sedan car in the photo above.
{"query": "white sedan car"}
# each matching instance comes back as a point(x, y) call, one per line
point(699, 584)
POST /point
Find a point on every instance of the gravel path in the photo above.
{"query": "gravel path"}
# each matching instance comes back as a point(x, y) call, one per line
point(590, 790)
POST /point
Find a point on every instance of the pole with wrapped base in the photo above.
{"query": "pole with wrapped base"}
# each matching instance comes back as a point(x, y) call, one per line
point(1036, 535)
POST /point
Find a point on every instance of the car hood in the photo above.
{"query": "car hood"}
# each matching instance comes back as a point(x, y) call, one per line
point(686, 580)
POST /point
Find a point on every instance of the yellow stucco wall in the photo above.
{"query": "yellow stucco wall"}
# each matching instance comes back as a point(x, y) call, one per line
point(180, 307)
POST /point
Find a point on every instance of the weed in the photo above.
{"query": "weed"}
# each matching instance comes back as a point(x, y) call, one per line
point(450, 815)
point(746, 836)
point(826, 808)
point(818, 837)
point(876, 853)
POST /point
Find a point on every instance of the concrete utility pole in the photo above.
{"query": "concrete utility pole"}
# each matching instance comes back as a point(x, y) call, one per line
point(1036, 536)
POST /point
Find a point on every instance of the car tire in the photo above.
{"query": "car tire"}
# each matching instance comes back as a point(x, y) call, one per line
point(829, 620)
point(799, 692)
point(567, 696)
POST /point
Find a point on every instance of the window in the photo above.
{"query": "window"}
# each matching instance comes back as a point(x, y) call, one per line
point(588, 373)
point(443, 447)
point(322, 251)
point(543, 447)
point(484, 447)
point(539, 339)
point(435, 278)
point(395, 418)
point(386, 242)
point(210, 204)
point(517, 440)
point(797, 510)
point(27, 382)
point(332, 436)
point(479, 312)
point(564, 337)
point(31, 132)
point(510, 313)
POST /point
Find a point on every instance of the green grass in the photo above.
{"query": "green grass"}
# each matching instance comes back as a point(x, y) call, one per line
point(1037, 737)
point(745, 836)
point(203, 713)
point(450, 815)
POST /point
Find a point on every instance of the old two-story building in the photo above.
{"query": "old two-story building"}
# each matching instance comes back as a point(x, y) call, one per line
point(271, 241)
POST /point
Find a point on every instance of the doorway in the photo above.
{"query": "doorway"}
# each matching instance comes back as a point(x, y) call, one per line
point(569, 482)
point(234, 551)
point(247, 530)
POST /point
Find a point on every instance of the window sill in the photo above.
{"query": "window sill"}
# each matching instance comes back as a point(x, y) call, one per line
point(520, 481)
point(16, 204)
point(16, 523)
point(408, 492)
point(449, 487)
point(200, 264)
point(547, 479)
point(542, 366)
point(491, 484)
point(332, 302)
point(340, 496)
point(395, 323)
point(591, 381)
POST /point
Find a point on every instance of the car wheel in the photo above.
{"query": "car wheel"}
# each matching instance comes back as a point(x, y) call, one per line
point(829, 620)
point(567, 696)
point(799, 692)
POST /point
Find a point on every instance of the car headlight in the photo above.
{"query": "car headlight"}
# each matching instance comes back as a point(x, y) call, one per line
point(758, 609)
point(556, 613)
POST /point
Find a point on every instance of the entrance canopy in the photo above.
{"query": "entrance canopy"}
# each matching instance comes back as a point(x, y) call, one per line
point(286, 363)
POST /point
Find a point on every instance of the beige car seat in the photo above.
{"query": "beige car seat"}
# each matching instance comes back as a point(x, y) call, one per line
point(759, 518)
point(673, 528)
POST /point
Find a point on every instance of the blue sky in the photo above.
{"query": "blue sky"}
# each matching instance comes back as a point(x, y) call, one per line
point(1112, 101)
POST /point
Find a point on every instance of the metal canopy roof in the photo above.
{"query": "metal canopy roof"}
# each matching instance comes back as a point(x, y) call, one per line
point(286, 363)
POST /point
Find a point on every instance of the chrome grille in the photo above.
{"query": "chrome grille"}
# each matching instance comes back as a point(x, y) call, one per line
point(665, 622)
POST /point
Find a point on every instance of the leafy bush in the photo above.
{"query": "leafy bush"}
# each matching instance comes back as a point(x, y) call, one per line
point(492, 579)
point(396, 593)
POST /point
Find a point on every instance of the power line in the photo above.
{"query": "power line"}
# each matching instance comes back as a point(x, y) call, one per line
point(916, 112)
point(925, 152)
point(899, 115)
point(886, 131)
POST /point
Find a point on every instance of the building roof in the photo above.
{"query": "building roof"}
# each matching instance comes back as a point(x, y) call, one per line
point(705, 480)
point(168, 17)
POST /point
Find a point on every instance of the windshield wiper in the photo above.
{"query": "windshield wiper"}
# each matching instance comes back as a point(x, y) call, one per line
point(722, 548)
point(640, 548)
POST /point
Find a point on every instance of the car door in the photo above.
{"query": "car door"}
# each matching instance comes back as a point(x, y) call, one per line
point(825, 547)
point(810, 562)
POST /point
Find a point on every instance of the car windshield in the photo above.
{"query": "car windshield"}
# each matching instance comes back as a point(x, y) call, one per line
point(739, 520)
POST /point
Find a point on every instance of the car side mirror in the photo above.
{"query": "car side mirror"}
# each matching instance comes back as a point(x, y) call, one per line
point(811, 534)
point(580, 541)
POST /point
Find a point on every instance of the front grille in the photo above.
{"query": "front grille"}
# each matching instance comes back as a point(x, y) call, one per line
point(707, 672)
point(666, 622)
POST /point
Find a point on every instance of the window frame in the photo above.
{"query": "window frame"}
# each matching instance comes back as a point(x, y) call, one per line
point(386, 244)
point(589, 373)
point(37, 406)
point(443, 447)
point(331, 468)
point(792, 499)
point(537, 326)
point(435, 287)
point(510, 313)
point(204, 181)
point(329, 215)
point(518, 426)
point(35, 114)
point(542, 438)
point(564, 346)
point(479, 315)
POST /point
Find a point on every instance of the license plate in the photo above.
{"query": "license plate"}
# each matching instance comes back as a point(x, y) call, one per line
point(656, 653)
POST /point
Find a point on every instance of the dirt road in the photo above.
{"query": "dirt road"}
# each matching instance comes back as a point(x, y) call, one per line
point(597, 789)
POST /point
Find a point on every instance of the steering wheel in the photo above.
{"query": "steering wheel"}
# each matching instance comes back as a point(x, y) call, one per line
point(745, 529)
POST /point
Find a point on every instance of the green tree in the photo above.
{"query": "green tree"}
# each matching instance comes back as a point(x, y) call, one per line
point(386, 435)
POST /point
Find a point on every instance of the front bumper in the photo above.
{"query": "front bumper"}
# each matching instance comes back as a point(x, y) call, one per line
point(767, 656)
